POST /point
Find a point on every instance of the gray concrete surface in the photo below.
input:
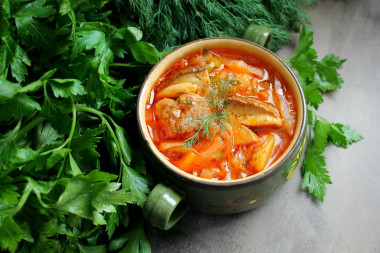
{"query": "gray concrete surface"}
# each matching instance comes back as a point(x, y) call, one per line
point(349, 219)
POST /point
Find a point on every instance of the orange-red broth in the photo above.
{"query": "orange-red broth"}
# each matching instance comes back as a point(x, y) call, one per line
point(234, 161)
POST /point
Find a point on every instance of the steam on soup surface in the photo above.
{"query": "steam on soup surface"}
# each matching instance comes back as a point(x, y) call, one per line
point(221, 114)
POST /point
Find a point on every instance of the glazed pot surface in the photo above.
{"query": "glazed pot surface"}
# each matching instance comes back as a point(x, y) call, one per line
point(226, 196)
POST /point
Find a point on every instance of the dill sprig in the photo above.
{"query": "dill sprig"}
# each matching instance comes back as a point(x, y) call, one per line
point(215, 123)
point(171, 23)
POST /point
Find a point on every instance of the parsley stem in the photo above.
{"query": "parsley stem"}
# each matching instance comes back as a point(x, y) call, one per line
point(310, 131)
point(73, 122)
point(128, 65)
point(102, 116)
point(101, 24)
point(30, 117)
point(23, 199)
point(323, 119)
point(35, 122)
point(32, 87)
point(68, 140)
point(110, 119)
point(83, 234)
point(311, 109)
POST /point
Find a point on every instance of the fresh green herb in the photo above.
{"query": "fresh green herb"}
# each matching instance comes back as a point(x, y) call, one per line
point(68, 174)
point(217, 121)
point(210, 126)
point(317, 78)
point(171, 23)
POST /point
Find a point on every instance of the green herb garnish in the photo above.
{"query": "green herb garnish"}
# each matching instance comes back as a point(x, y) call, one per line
point(216, 122)
point(317, 78)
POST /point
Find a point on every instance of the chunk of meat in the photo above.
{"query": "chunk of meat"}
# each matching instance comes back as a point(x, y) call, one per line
point(182, 115)
point(253, 112)
point(189, 80)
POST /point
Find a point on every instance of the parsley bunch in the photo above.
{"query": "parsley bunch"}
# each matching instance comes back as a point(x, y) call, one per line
point(69, 72)
point(316, 78)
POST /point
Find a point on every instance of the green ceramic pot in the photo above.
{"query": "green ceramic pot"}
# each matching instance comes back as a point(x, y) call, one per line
point(179, 190)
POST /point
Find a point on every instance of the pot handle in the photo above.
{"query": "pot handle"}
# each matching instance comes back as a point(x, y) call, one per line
point(259, 34)
point(164, 207)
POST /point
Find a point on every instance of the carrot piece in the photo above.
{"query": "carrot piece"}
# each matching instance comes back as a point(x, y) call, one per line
point(260, 158)
point(186, 162)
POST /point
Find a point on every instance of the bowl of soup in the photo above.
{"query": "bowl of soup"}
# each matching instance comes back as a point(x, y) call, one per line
point(224, 122)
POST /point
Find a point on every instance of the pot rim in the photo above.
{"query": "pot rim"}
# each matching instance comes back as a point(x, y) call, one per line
point(290, 153)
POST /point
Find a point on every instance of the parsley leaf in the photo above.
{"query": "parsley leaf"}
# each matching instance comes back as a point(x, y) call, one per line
point(56, 111)
point(34, 33)
point(106, 195)
point(315, 175)
point(10, 233)
point(48, 138)
point(313, 94)
point(8, 90)
point(8, 196)
point(135, 240)
point(25, 155)
point(144, 52)
point(321, 131)
point(112, 222)
point(342, 135)
point(136, 183)
point(92, 249)
point(327, 71)
point(19, 106)
point(88, 40)
point(13, 56)
point(8, 147)
point(65, 87)
point(316, 78)
point(305, 57)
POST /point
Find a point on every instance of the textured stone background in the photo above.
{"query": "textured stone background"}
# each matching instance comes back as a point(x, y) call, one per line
point(349, 219)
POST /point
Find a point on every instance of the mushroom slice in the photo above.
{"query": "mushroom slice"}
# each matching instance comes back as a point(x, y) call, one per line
point(190, 80)
point(253, 112)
